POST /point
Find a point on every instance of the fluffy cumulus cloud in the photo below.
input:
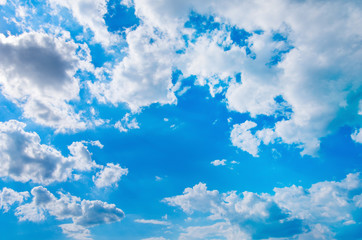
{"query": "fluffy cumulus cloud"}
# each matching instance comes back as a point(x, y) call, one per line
point(291, 212)
point(90, 15)
point(23, 158)
point(109, 175)
point(83, 213)
point(243, 138)
point(37, 74)
point(143, 77)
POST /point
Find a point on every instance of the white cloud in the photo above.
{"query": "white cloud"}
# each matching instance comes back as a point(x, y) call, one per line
point(126, 123)
point(2, 2)
point(89, 14)
point(23, 158)
point(151, 221)
point(219, 162)
point(143, 77)
point(244, 139)
point(37, 74)
point(83, 213)
point(292, 212)
point(94, 143)
point(109, 175)
point(76, 231)
point(357, 136)
point(197, 198)
point(207, 60)
point(8, 197)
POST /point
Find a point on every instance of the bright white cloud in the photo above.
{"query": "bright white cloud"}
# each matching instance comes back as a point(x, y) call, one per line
point(291, 212)
point(357, 136)
point(37, 74)
point(2, 2)
point(126, 123)
point(89, 14)
point(83, 213)
point(244, 139)
point(219, 162)
point(23, 158)
point(143, 77)
point(109, 175)
point(193, 199)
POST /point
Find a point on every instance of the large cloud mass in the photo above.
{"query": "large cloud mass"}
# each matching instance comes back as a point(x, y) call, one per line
point(302, 57)
point(291, 212)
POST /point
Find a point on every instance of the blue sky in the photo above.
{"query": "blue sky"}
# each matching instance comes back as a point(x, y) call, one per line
point(157, 120)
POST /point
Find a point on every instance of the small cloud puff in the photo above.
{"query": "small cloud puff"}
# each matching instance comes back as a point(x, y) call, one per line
point(219, 162)
point(126, 123)
point(110, 175)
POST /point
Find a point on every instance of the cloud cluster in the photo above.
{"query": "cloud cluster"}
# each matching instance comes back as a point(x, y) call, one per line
point(83, 213)
point(291, 212)
point(37, 74)
point(23, 158)
point(287, 60)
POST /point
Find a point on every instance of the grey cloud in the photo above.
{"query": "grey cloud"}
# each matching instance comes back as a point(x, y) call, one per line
point(37, 72)
point(23, 158)
point(98, 212)
point(46, 67)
